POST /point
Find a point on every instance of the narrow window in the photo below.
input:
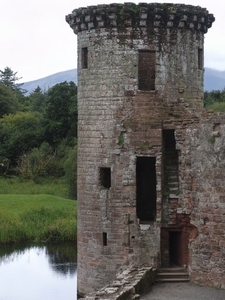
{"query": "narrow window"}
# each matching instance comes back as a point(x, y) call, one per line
point(105, 177)
point(84, 58)
point(170, 164)
point(146, 188)
point(146, 70)
point(200, 59)
point(104, 236)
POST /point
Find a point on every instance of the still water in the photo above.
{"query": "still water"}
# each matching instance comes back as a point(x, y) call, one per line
point(46, 272)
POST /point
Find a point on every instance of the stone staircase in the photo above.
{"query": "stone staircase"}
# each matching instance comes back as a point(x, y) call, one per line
point(172, 275)
point(171, 174)
point(128, 285)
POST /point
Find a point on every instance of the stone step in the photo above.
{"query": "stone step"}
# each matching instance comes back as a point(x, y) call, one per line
point(172, 279)
point(171, 175)
point(172, 180)
point(172, 270)
point(173, 196)
point(172, 275)
point(172, 187)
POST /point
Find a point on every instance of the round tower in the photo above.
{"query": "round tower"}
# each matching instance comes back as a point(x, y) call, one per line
point(140, 73)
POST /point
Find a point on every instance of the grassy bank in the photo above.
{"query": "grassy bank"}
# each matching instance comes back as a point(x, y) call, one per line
point(40, 218)
point(49, 186)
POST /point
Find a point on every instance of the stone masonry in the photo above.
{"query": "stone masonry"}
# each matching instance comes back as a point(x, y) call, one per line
point(151, 160)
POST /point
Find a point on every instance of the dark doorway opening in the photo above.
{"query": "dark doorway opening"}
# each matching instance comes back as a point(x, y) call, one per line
point(146, 188)
point(175, 248)
point(178, 247)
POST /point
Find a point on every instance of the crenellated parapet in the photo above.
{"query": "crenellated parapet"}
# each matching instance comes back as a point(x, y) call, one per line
point(143, 15)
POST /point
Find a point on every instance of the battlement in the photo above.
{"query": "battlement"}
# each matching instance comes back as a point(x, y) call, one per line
point(143, 15)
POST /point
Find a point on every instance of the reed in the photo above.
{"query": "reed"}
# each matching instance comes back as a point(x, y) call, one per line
point(39, 218)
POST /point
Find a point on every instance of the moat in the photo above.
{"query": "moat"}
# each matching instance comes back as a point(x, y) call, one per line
point(34, 272)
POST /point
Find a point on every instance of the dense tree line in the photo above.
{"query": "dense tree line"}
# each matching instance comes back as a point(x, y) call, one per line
point(38, 133)
point(215, 100)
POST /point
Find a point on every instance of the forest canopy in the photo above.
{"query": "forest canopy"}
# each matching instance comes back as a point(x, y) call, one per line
point(38, 132)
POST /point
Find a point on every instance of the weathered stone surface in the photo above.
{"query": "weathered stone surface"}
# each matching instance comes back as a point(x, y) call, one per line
point(128, 285)
point(140, 92)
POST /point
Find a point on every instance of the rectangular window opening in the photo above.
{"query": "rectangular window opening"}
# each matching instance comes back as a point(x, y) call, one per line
point(170, 164)
point(105, 177)
point(104, 235)
point(146, 188)
point(169, 141)
point(146, 70)
point(200, 59)
point(84, 58)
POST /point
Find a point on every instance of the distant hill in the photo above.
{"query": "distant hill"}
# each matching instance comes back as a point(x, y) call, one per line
point(213, 80)
point(47, 82)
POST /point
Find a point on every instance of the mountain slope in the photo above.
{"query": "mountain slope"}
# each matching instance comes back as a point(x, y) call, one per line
point(47, 82)
point(213, 80)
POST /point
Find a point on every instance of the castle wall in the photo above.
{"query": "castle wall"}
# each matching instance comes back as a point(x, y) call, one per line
point(203, 183)
point(122, 118)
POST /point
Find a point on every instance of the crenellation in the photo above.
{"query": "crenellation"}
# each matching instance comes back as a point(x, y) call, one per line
point(132, 15)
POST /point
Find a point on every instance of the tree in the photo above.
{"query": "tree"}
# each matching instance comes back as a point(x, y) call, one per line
point(39, 162)
point(61, 113)
point(19, 134)
point(9, 79)
point(8, 101)
point(214, 96)
point(38, 99)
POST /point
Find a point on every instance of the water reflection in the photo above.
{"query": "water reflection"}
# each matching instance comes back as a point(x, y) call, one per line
point(62, 259)
point(37, 272)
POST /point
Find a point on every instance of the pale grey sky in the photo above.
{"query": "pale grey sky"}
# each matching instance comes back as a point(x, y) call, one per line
point(36, 41)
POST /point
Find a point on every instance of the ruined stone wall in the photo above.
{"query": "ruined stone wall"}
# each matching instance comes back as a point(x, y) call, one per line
point(118, 123)
point(203, 177)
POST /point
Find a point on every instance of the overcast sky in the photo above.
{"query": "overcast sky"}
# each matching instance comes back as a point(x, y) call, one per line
point(36, 41)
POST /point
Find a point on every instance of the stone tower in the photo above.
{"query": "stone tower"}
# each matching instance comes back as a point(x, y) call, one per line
point(140, 86)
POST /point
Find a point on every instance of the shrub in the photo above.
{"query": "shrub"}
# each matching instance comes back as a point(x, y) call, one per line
point(217, 107)
point(39, 162)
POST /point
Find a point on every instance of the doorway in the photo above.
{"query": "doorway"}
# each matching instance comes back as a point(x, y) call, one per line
point(178, 248)
point(175, 249)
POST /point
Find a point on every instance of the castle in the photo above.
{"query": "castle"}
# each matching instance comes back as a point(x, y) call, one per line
point(151, 160)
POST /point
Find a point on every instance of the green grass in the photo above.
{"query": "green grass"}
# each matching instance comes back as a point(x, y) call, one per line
point(49, 186)
point(39, 218)
point(36, 212)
